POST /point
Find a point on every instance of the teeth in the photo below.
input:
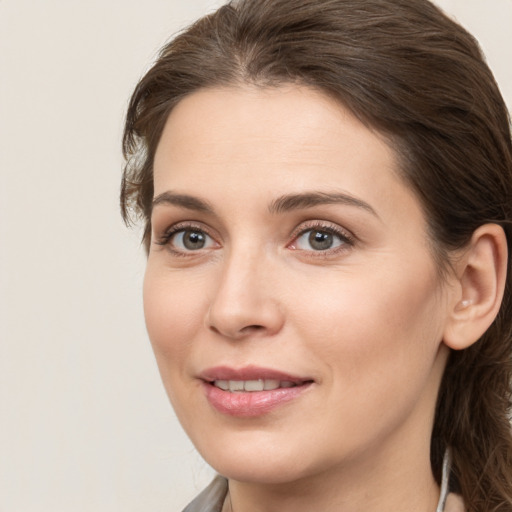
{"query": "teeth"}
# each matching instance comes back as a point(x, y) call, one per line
point(236, 385)
point(222, 384)
point(252, 385)
point(270, 384)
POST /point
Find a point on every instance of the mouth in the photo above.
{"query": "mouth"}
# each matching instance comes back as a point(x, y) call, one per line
point(251, 386)
point(251, 391)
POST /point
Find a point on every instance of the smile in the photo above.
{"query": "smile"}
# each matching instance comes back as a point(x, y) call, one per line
point(252, 385)
point(251, 391)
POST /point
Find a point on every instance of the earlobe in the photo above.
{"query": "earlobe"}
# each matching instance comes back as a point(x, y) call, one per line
point(481, 274)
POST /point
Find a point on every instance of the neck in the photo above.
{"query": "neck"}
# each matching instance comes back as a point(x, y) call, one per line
point(381, 483)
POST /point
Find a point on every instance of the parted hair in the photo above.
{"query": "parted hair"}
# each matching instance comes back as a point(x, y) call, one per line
point(408, 71)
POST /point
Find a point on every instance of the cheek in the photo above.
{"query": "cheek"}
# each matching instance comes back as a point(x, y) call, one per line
point(377, 342)
point(174, 314)
point(374, 322)
point(173, 311)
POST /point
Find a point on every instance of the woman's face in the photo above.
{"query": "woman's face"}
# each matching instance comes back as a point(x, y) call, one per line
point(290, 264)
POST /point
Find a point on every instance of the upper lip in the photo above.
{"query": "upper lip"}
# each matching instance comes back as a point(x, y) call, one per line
point(249, 373)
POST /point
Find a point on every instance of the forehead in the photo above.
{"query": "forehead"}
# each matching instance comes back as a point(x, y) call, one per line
point(291, 123)
point(265, 142)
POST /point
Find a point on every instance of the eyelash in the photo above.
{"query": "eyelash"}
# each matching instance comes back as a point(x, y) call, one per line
point(347, 239)
point(165, 239)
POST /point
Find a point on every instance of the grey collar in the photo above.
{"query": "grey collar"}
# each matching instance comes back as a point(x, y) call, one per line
point(447, 464)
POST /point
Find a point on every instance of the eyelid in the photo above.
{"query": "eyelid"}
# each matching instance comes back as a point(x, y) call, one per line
point(346, 236)
point(165, 238)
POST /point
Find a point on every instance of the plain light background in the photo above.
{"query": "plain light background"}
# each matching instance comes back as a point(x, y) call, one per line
point(84, 422)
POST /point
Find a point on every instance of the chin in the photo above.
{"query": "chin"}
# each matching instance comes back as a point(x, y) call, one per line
point(259, 469)
point(257, 458)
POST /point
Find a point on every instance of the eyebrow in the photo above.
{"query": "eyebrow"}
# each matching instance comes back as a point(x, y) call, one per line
point(285, 203)
point(184, 201)
point(311, 199)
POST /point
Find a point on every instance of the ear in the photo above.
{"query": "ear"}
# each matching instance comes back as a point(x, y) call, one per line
point(480, 283)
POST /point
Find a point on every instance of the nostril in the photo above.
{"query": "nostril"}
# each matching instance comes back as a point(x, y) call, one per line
point(240, 333)
point(251, 328)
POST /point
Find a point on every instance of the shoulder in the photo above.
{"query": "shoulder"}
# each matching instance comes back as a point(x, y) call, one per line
point(211, 499)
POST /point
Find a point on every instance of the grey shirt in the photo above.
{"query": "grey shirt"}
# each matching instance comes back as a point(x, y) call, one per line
point(212, 498)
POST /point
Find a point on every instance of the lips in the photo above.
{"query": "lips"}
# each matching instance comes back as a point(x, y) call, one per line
point(250, 391)
point(251, 386)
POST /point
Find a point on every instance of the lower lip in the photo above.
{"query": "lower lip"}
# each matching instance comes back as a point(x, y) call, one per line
point(253, 403)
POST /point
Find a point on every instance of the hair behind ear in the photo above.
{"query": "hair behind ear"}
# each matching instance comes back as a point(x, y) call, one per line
point(474, 403)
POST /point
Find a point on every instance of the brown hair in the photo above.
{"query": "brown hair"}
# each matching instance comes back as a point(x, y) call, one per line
point(407, 70)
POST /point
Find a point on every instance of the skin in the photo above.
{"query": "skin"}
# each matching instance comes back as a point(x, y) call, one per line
point(364, 319)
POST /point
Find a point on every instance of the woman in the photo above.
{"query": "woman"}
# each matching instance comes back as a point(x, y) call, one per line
point(326, 190)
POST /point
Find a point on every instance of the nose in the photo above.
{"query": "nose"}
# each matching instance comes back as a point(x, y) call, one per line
point(245, 302)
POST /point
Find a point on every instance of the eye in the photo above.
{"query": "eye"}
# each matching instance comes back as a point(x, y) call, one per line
point(186, 239)
point(191, 240)
point(317, 240)
point(321, 239)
